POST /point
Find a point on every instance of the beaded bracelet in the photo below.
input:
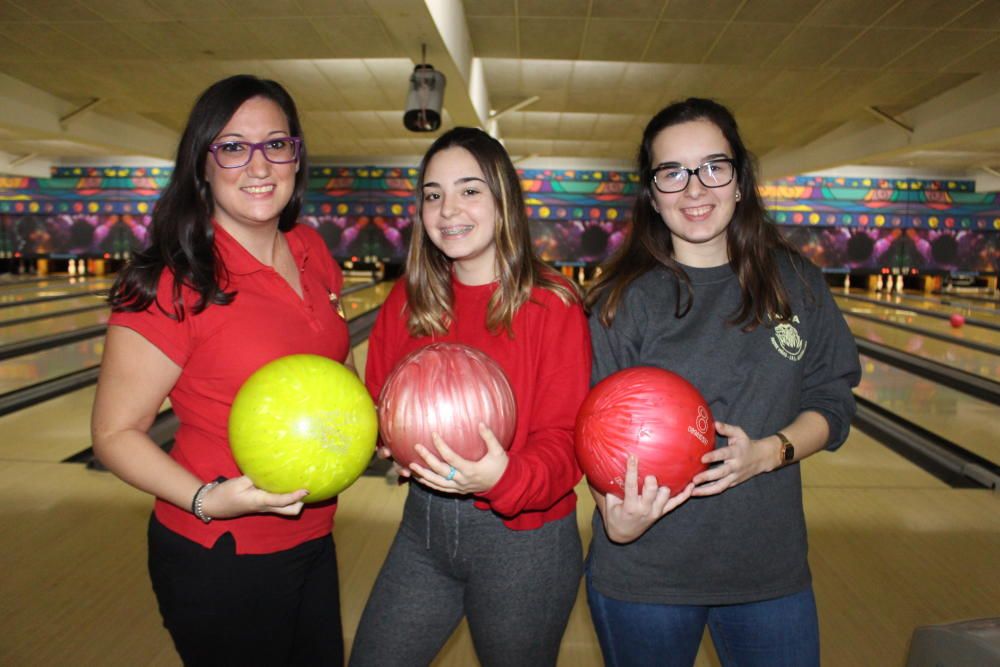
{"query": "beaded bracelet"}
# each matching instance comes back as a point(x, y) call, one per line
point(196, 503)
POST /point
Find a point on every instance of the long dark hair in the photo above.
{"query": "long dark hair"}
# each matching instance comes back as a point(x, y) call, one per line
point(751, 237)
point(428, 270)
point(181, 233)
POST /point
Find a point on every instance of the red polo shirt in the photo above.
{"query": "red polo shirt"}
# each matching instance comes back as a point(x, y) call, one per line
point(221, 347)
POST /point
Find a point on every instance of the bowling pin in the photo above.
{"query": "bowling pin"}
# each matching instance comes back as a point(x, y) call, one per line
point(899, 284)
point(580, 276)
point(847, 282)
point(879, 285)
point(72, 267)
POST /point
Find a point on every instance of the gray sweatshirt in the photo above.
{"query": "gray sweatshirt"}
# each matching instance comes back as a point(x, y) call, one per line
point(749, 542)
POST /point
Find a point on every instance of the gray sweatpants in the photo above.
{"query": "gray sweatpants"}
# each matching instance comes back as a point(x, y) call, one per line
point(517, 587)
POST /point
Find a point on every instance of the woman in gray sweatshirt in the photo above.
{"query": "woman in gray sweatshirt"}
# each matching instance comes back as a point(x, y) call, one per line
point(706, 287)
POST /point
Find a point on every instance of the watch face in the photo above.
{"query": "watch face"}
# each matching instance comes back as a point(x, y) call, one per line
point(788, 452)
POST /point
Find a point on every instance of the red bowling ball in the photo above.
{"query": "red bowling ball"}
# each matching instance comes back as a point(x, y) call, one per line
point(957, 320)
point(448, 389)
point(652, 413)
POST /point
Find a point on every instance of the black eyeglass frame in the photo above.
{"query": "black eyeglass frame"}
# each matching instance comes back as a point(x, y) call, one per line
point(695, 172)
point(259, 146)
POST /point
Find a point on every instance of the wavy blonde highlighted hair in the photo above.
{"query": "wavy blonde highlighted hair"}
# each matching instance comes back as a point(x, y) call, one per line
point(428, 270)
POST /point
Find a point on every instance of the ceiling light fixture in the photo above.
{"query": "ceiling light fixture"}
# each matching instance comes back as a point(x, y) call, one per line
point(425, 97)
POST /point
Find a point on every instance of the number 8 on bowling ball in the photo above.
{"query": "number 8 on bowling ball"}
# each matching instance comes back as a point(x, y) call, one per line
point(652, 413)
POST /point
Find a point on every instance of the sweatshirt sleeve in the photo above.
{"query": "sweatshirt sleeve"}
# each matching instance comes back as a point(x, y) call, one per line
point(832, 365)
point(544, 469)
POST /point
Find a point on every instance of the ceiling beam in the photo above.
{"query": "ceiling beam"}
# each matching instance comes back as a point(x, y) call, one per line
point(30, 164)
point(441, 25)
point(32, 115)
point(963, 112)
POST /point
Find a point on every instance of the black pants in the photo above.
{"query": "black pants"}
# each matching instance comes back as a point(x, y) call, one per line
point(269, 610)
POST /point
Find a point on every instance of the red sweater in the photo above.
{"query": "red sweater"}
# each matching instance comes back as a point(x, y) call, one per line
point(548, 365)
point(218, 349)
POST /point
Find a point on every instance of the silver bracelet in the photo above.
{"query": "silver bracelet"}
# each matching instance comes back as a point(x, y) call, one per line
point(197, 507)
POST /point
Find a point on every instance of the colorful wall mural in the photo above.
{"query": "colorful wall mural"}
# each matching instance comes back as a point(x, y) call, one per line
point(577, 216)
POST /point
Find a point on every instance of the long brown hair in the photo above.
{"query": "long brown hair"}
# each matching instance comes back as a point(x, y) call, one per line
point(751, 237)
point(181, 233)
point(428, 270)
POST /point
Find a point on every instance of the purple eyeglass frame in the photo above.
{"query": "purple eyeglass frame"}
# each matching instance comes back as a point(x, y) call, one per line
point(259, 146)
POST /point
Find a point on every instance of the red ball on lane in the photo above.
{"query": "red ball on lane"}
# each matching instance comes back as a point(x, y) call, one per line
point(957, 320)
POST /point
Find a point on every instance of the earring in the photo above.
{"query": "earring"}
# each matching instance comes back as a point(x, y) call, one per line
point(737, 195)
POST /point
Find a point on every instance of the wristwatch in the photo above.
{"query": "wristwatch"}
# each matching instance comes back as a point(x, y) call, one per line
point(787, 451)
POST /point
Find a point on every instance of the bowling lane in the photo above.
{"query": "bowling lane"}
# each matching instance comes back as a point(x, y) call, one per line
point(52, 325)
point(951, 414)
point(935, 325)
point(900, 313)
point(944, 307)
point(18, 312)
point(19, 372)
point(949, 353)
point(360, 302)
point(8, 301)
point(12, 286)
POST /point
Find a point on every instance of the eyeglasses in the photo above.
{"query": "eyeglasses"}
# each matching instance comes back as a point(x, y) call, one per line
point(712, 174)
point(233, 154)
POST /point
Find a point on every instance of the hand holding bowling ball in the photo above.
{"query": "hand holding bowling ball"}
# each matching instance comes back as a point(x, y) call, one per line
point(649, 413)
point(447, 389)
point(303, 422)
point(626, 519)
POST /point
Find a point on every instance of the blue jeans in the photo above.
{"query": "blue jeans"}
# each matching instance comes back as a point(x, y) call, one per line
point(771, 633)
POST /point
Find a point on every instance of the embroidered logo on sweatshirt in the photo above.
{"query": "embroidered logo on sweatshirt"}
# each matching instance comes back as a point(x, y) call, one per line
point(787, 341)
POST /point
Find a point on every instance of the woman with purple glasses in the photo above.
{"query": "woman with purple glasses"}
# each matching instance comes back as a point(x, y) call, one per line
point(228, 283)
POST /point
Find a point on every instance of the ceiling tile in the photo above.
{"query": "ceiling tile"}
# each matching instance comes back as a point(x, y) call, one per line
point(125, 10)
point(776, 11)
point(106, 40)
point(928, 14)
point(611, 39)
point(11, 12)
point(983, 59)
point(335, 7)
point(645, 10)
point(195, 9)
point(811, 46)
point(59, 10)
point(597, 76)
point(984, 16)
point(683, 42)
point(489, 7)
point(354, 37)
point(493, 37)
point(877, 47)
point(849, 12)
point(702, 10)
point(550, 38)
point(944, 47)
point(748, 43)
point(561, 8)
point(47, 41)
point(543, 76)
